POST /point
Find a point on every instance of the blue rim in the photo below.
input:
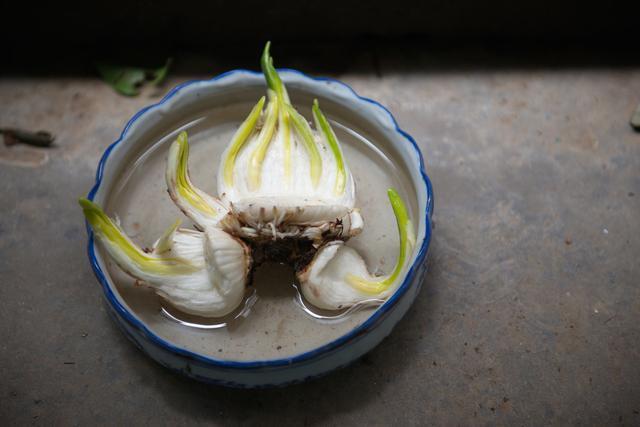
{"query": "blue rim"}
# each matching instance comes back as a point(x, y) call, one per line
point(300, 358)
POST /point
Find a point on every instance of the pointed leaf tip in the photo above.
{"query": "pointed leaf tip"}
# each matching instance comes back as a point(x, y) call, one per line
point(89, 206)
point(83, 202)
point(183, 138)
point(271, 75)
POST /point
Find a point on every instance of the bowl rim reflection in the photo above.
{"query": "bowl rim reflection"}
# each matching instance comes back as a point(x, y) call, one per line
point(370, 323)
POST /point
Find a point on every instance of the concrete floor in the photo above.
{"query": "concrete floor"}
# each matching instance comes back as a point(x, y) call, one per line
point(529, 314)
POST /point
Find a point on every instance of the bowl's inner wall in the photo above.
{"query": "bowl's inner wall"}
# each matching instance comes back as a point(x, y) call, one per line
point(276, 326)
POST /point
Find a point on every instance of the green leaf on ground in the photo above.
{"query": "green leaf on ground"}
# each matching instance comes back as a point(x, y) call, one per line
point(159, 74)
point(128, 80)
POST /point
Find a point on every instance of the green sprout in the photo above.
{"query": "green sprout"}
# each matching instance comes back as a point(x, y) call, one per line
point(264, 139)
point(279, 94)
point(322, 124)
point(407, 241)
point(283, 122)
point(183, 183)
point(301, 126)
point(240, 137)
point(124, 251)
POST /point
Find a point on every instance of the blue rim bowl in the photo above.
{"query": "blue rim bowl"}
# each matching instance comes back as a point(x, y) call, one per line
point(310, 364)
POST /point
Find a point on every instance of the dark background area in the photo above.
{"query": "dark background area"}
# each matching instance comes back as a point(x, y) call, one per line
point(55, 37)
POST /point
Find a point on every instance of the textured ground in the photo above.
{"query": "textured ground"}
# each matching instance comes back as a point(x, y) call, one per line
point(529, 314)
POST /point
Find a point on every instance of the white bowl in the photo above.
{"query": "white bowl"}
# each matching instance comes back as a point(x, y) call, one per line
point(177, 350)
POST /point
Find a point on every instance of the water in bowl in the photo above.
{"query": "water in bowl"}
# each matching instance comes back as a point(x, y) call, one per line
point(274, 321)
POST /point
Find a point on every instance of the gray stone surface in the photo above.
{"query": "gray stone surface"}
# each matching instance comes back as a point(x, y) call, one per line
point(529, 314)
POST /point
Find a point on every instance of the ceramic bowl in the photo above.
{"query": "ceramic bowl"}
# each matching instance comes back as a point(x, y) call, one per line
point(277, 343)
